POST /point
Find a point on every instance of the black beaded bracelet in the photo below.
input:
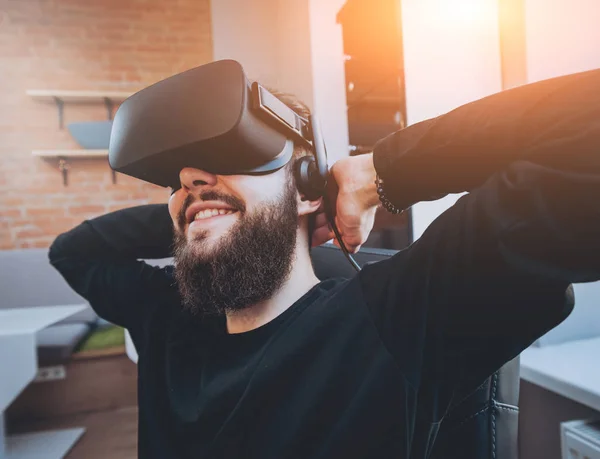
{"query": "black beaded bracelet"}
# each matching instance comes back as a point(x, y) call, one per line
point(387, 204)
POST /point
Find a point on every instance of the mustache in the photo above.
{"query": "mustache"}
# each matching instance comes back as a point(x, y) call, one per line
point(209, 195)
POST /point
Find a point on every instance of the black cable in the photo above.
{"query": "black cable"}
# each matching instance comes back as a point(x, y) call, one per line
point(331, 218)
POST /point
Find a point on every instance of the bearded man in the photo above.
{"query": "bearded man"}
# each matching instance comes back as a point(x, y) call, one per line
point(244, 353)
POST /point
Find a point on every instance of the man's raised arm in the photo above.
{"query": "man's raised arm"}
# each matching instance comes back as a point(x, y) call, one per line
point(100, 261)
point(553, 123)
point(492, 273)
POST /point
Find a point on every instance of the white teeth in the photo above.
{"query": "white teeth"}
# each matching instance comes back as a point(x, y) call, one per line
point(207, 213)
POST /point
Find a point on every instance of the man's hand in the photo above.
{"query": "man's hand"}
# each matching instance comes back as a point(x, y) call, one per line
point(353, 196)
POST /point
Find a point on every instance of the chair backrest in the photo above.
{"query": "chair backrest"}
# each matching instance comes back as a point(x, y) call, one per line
point(482, 426)
point(485, 425)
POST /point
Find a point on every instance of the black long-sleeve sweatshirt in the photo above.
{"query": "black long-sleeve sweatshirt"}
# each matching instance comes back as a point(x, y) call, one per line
point(367, 367)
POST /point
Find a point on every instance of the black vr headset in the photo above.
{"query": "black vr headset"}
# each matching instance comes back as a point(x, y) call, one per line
point(212, 118)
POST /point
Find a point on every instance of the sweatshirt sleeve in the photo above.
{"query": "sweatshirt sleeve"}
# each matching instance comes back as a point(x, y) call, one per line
point(100, 259)
point(493, 273)
point(551, 123)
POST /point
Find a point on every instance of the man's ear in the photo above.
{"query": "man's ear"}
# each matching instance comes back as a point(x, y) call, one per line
point(306, 207)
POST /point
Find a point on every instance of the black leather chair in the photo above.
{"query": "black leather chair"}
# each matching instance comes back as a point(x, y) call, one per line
point(485, 424)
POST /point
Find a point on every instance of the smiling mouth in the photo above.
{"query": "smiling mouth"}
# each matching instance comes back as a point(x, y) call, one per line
point(210, 213)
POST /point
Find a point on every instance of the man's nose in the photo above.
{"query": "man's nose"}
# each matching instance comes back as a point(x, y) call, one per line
point(195, 179)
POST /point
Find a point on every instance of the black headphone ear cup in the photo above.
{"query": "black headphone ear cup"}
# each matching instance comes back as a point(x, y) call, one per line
point(308, 179)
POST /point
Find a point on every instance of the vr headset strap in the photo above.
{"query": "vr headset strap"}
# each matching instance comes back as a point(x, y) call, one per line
point(279, 115)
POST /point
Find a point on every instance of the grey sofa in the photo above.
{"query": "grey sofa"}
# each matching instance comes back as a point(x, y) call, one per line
point(28, 280)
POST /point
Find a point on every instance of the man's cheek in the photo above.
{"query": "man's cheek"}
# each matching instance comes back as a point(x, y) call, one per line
point(174, 206)
point(171, 205)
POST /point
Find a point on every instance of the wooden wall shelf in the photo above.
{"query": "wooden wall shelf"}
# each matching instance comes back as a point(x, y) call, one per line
point(48, 95)
point(60, 98)
point(64, 156)
point(70, 153)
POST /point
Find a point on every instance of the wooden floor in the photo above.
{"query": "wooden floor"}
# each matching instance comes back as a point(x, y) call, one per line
point(109, 434)
point(99, 393)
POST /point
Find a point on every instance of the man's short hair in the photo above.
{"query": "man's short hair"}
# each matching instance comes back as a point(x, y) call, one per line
point(299, 150)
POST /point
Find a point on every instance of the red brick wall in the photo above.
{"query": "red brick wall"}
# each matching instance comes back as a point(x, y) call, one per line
point(116, 45)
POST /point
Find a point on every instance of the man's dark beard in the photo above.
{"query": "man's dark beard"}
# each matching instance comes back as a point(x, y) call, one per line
point(249, 265)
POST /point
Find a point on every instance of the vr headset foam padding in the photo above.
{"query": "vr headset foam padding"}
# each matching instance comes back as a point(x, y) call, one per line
point(210, 118)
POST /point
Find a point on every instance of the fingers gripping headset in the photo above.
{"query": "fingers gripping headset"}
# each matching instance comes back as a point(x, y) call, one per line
point(212, 118)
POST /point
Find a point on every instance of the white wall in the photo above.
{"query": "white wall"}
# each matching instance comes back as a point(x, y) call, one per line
point(246, 33)
point(329, 83)
point(295, 46)
point(294, 67)
point(451, 57)
point(563, 36)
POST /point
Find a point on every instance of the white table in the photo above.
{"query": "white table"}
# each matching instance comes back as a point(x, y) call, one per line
point(18, 367)
point(570, 369)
